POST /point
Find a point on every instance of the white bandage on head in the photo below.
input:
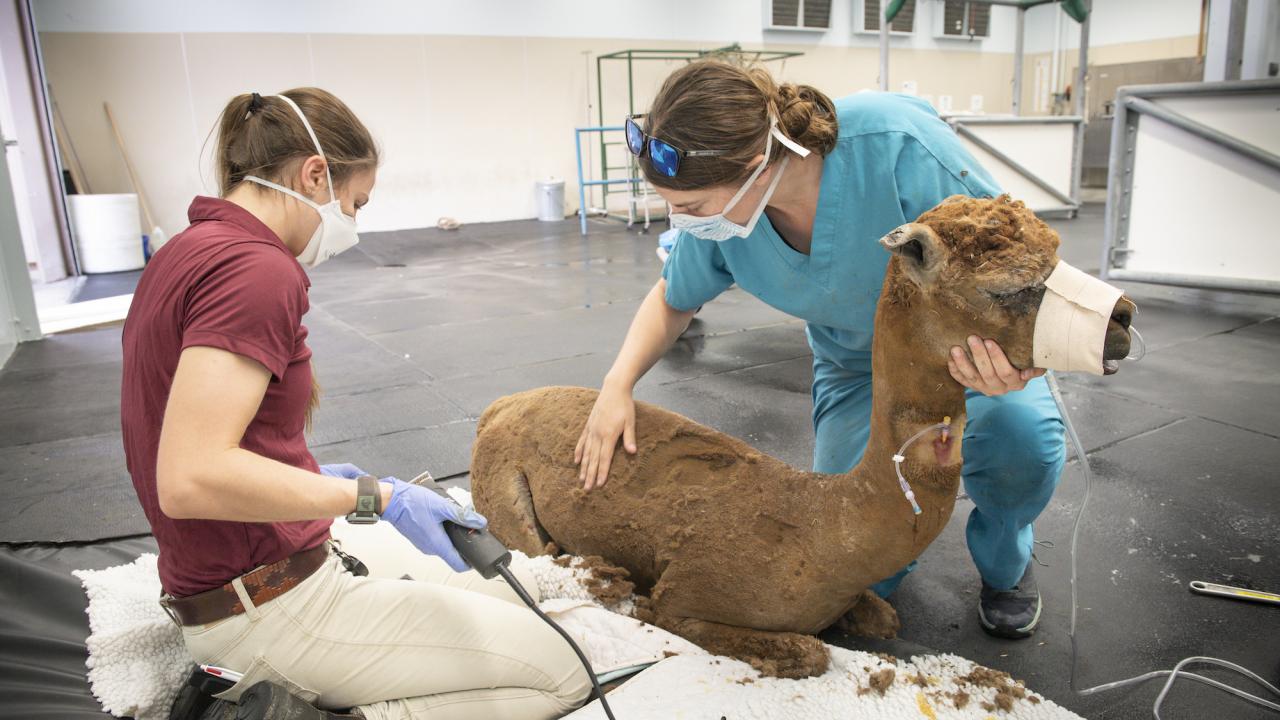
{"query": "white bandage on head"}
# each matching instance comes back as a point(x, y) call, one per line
point(1071, 327)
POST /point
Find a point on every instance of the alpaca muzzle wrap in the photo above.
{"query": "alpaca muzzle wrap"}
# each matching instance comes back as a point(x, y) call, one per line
point(1071, 327)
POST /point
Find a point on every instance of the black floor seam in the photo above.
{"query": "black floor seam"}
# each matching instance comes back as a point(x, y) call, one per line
point(727, 333)
point(366, 391)
point(69, 543)
point(1184, 415)
point(1239, 427)
point(733, 370)
point(1206, 336)
point(469, 376)
point(465, 323)
point(398, 356)
point(1070, 386)
point(468, 420)
point(1142, 434)
point(1252, 324)
point(373, 337)
point(117, 359)
point(548, 361)
point(19, 446)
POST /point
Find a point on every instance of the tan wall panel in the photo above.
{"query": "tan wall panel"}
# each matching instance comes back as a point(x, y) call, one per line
point(386, 88)
point(837, 71)
point(958, 74)
point(221, 66)
point(1163, 49)
point(478, 168)
point(467, 124)
point(559, 95)
point(648, 76)
point(1136, 52)
point(141, 76)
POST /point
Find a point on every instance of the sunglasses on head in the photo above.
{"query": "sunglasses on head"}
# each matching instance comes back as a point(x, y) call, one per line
point(663, 156)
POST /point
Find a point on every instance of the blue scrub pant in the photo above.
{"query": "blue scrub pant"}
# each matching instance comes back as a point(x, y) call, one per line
point(1013, 456)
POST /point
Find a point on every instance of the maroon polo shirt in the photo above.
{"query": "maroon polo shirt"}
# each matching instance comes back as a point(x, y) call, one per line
point(225, 282)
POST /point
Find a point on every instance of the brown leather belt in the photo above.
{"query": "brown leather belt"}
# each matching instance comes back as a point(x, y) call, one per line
point(263, 585)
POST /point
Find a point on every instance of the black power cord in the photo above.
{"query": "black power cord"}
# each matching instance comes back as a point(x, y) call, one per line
point(505, 572)
point(482, 552)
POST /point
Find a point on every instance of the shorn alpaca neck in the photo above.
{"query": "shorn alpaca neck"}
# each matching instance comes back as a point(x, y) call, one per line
point(911, 389)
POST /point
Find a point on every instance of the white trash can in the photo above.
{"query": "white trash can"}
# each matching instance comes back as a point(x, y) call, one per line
point(550, 199)
point(106, 231)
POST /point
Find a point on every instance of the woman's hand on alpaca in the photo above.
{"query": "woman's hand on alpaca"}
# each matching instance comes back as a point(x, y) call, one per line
point(613, 416)
point(989, 371)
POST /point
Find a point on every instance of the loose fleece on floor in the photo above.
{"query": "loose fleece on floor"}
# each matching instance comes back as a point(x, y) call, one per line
point(137, 662)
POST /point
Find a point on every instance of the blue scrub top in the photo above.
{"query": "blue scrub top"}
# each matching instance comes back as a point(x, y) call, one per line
point(894, 159)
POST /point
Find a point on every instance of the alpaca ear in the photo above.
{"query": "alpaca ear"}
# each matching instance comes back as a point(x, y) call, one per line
point(919, 249)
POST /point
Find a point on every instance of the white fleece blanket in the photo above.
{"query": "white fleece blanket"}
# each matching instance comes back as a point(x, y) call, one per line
point(705, 687)
point(137, 662)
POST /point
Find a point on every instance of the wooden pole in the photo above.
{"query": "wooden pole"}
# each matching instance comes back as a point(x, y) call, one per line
point(133, 176)
point(70, 155)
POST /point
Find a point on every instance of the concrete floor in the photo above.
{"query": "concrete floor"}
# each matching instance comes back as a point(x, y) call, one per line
point(415, 332)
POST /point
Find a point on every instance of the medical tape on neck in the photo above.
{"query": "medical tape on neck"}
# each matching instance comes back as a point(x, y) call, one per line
point(1071, 326)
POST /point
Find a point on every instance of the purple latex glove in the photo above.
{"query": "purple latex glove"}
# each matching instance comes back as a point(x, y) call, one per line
point(342, 470)
point(418, 513)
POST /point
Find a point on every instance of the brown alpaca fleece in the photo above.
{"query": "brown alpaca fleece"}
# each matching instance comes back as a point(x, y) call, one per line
point(738, 552)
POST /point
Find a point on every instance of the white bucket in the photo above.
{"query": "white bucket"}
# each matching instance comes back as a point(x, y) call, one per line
point(106, 231)
point(550, 199)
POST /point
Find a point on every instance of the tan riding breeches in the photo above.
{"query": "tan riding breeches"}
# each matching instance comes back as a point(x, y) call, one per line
point(443, 645)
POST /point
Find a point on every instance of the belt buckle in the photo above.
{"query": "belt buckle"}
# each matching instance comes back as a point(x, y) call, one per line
point(165, 598)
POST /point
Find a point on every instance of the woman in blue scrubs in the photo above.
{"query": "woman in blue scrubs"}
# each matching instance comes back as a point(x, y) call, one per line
point(780, 190)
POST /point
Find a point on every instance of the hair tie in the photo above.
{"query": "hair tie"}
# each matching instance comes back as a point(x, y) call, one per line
point(255, 103)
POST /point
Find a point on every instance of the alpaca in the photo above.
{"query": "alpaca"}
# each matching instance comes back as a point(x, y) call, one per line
point(739, 552)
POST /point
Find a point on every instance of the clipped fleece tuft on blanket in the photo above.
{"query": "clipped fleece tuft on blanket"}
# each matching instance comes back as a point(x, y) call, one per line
point(137, 662)
point(856, 685)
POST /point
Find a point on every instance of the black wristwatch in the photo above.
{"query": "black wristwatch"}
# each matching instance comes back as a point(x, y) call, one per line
point(368, 501)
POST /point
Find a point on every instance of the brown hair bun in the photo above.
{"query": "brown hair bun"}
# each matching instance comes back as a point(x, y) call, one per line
point(716, 105)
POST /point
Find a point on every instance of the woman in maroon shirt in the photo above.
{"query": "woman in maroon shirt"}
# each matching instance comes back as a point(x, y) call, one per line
point(216, 396)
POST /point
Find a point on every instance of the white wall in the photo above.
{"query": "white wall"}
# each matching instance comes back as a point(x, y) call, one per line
point(724, 21)
point(701, 21)
point(1116, 22)
point(472, 101)
point(1261, 39)
point(37, 204)
point(18, 321)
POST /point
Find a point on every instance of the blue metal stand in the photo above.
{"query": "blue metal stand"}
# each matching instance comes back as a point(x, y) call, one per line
point(583, 182)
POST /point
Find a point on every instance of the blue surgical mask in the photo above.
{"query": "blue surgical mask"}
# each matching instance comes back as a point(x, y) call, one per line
point(720, 228)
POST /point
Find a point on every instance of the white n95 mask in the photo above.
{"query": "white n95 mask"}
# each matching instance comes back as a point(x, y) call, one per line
point(719, 228)
point(1071, 326)
point(337, 230)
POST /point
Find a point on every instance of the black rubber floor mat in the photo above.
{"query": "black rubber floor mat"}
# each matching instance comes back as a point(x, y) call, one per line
point(73, 490)
point(104, 285)
point(44, 627)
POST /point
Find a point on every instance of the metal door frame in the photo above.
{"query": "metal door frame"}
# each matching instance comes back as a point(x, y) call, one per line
point(1131, 104)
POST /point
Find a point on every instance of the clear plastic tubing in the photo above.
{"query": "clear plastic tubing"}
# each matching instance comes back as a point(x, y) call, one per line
point(900, 457)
